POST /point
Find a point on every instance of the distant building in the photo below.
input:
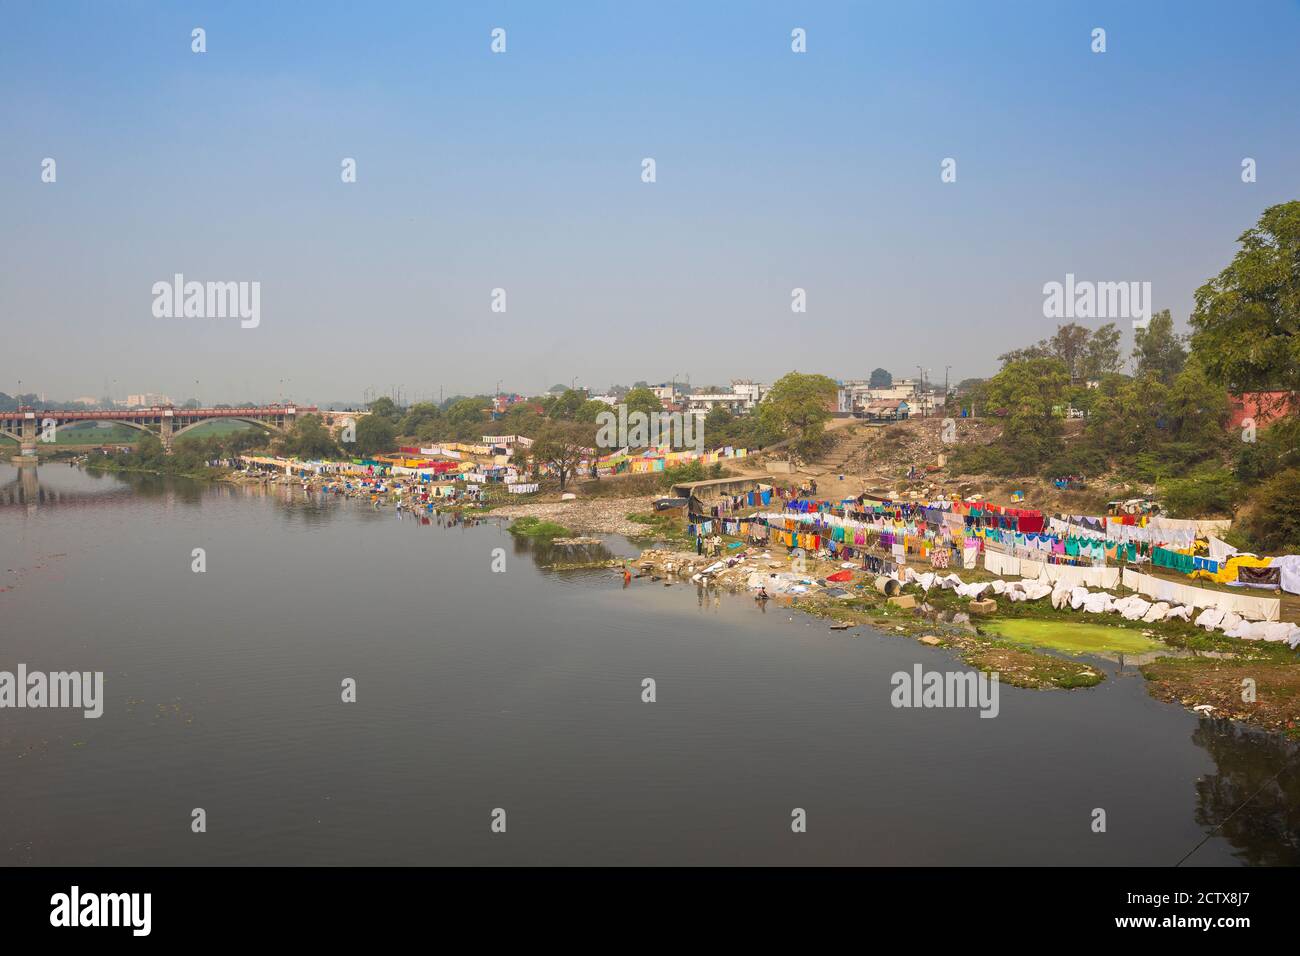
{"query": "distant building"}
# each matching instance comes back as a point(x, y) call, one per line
point(751, 390)
point(707, 402)
point(666, 393)
point(147, 399)
point(502, 402)
point(1262, 407)
point(886, 410)
point(856, 395)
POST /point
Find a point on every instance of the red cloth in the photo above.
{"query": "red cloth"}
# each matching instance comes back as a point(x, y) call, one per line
point(844, 575)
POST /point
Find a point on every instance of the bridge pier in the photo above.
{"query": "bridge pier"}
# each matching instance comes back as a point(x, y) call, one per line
point(27, 443)
point(165, 431)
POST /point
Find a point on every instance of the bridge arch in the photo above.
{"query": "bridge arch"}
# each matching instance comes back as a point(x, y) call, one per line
point(269, 426)
point(110, 421)
point(5, 433)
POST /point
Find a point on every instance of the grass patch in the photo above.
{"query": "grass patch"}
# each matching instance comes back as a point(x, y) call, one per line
point(1021, 668)
point(1072, 637)
point(661, 524)
point(1220, 683)
point(533, 527)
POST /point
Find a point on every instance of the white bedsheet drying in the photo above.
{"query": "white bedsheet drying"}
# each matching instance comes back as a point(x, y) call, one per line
point(1156, 612)
point(1251, 608)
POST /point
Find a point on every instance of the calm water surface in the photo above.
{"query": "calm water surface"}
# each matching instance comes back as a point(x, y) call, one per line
point(522, 691)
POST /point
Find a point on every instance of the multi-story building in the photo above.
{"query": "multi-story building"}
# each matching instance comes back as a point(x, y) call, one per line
point(666, 392)
point(752, 391)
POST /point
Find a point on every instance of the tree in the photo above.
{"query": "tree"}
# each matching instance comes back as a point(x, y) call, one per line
point(880, 378)
point(1101, 355)
point(1157, 352)
point(385, 407)
point(1070, 345)
point(588, 410)
point(522, 418)
point(422, 416)
point(798, 406)
point(465, 418)
point(643, 400)
point(310, 439)
point(1123, 418)
point(1196, 409)
point(718, 419)
point(375, 434)
point(1246, 319)
point(1026, 393)
point(1272, 520)
point(562, 445)
point(565, 405)
point(1030, 352)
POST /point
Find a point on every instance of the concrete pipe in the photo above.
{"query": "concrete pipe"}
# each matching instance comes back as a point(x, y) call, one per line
point(888, 586)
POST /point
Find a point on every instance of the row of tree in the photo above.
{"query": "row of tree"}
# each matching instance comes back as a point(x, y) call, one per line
point(564, 425)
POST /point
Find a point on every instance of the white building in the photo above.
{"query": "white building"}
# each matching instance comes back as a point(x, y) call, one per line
point(666, 392)
point(732, 402)
point(752, 391)
point(147, 399)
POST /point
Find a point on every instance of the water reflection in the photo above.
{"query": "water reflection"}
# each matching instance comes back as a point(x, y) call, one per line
point(1254, 797)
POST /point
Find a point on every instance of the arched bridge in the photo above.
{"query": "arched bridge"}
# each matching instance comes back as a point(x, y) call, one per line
point(29, 426)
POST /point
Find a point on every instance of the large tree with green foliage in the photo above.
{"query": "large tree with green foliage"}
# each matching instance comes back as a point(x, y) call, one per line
point(421, 420)
point(564, 407)
point(643, 400)
point(562, 445)
point(1085, 353)
point(1158, 351)
point(1101, 355)
point(1025, 394)
point(1246, 319)
point(309, 439)
point(797, 407)
point(375, 434)
point(385, 407)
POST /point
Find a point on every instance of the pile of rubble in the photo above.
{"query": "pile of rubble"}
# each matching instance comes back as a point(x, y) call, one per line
point(585, 515)
point(747, 569)
point(729, 571)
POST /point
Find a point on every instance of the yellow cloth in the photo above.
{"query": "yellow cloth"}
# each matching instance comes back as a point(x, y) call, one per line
point(1227, 572)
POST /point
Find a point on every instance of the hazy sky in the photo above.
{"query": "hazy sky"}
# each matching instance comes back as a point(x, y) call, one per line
point(522, 171)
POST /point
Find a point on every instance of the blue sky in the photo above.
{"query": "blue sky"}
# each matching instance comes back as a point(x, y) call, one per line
point(522, 171)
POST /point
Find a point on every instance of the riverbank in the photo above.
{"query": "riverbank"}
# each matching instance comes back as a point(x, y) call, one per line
point(1029, 644)
point(1047, 649)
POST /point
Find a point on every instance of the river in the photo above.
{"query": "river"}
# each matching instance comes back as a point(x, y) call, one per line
point(522, 691)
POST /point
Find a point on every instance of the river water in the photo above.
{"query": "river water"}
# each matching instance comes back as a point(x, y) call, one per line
point(522, 691)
